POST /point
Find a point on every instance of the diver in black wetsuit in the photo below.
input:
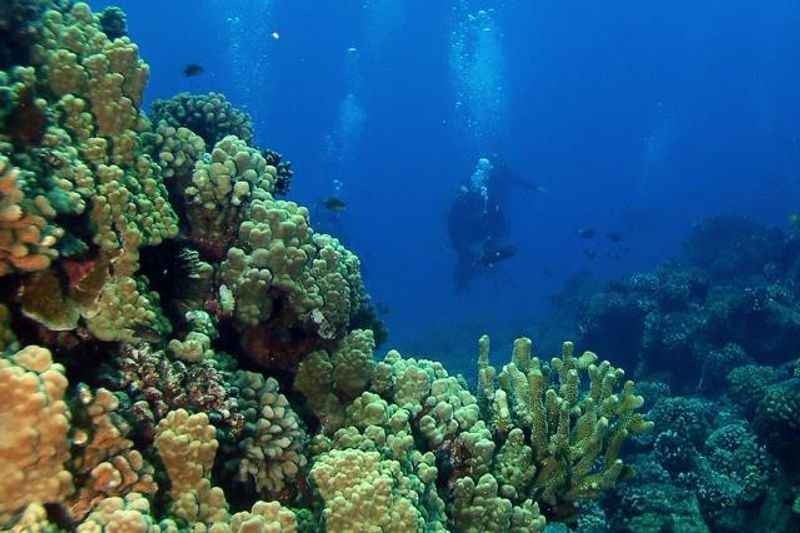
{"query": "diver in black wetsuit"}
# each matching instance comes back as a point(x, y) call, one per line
point(477, 223)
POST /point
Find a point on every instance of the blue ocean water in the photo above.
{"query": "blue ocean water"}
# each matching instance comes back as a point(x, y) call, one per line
point(636, 117)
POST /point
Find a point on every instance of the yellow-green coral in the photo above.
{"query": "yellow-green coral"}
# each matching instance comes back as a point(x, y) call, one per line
point(125, 306)
point(266, 517)
point(88, 162)
point(34, 425)
point(364, 493)
point(221, 189)
point(80, 59)
point(570, 430)
point(478, 508)
point(97, 86)
point(188, 446)
point(114, 303)
point(373, 425)
point(33, 520)
point(328, 379)
point(196, 346)
point(278, 257)
point(274, 455)
point(116, 514)
point(178, 150)
point(443, 405)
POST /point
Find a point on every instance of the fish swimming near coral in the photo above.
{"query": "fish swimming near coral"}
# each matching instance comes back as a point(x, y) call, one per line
point(192, 69)
point(58, 514)
point(334, 204)
point(492, 255)
point(27, 121)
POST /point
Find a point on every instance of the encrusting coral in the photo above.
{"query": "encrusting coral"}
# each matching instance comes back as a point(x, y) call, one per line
point(204, 350)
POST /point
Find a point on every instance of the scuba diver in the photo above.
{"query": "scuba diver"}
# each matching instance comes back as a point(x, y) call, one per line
point(477, 223)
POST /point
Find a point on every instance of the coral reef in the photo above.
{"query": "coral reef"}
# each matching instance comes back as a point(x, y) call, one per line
point(211, 116)
point(284, 172)
point(180, 350)
point(718, 325)
point(733, 301)
point(569, 430)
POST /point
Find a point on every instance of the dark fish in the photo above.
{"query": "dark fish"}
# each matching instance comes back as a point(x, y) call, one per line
point(58, 514)
point(334, 204)
point(493, 255)
point(192, 69)
point(590, 254)
point(147, 334)
point(27, 122)
point(586, 233)
point(614, 236)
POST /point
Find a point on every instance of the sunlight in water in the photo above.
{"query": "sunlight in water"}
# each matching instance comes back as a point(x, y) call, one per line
point(477, 68)
point(251, 38)
point(383, 19)
point(657, 146)
point(343, 141)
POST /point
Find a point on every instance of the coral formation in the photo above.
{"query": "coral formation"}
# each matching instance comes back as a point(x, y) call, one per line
point(34, 421)
point(732, 302)
point(182, 351)
point(569, 430)
point(211, 116)
point(719, 326)
point(272, 452)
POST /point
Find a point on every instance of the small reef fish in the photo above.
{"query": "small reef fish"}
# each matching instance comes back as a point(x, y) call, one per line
point(276, 36)
point(192, 70)
point(491, 256)
point(614, 236)
point(58, 514)
point(332, 203)
point(586, 233)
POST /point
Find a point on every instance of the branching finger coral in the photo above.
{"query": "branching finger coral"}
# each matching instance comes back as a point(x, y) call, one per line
point(570, 430)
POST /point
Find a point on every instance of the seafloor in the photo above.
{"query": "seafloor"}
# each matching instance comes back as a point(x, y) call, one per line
point(181, 351)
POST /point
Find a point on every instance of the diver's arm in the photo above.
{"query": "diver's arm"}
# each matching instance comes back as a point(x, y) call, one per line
point(523, 183)
point(505, 179)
